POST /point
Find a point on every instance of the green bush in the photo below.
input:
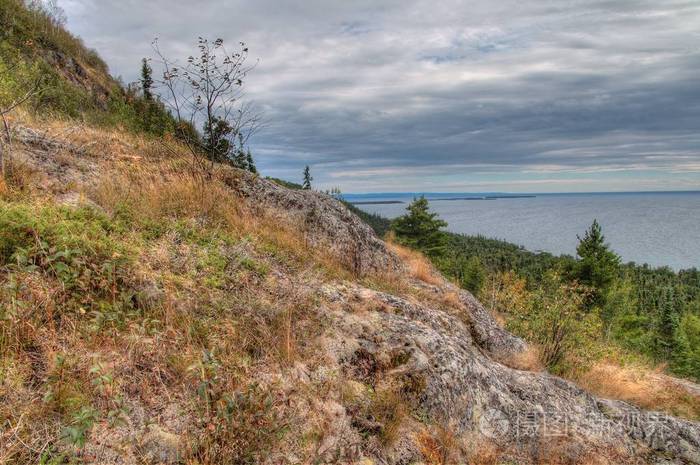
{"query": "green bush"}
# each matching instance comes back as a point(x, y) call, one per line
point(556, 319)
point(686, 359)
point(78, 247)
point(17, 75)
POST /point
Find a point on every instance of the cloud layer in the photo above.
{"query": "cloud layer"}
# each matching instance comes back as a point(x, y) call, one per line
point(452, 95)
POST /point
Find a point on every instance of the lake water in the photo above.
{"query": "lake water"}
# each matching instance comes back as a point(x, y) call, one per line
point(661, 229)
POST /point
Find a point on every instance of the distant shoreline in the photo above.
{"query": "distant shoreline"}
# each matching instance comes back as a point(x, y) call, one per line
point(490, 197)
point(377, 202)
point(486, 197)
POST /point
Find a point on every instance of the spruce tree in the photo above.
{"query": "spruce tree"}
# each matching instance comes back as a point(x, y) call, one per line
point(216, 141)
point(598, 266)
point(686, 357)
point(307, 178)
point(667, 324)
point(239, 160)
point(471, 274)
point(146, 80)
point(420, 229)
point(251, 163)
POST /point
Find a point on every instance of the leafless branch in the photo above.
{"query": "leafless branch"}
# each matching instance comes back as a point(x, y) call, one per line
point(206, 91)
point(6, 148)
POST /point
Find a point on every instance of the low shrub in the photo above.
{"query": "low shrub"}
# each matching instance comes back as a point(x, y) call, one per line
point(75, 247)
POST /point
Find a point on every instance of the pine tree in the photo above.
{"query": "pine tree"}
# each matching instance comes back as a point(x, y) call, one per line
point(420, 229)
point(239, 160)
point(251, 163)
point(667, 325)
point(686, 357)
point(307, 178)
point(598, 266)
point(216, 140)
point(472, 274)
point(146, 80)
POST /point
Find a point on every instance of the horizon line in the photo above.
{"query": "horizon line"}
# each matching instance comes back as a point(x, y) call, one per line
point(684, 191)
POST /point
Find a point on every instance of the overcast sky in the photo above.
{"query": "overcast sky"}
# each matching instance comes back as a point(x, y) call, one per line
point(427, 95)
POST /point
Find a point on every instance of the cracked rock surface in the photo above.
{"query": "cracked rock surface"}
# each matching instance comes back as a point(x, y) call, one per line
point(466, 387)
point(326, 220)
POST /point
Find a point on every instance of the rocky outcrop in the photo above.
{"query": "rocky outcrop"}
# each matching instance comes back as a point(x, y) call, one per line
point(456, 360)
point(96, 81)
point(487, 333)
point(327, 223)
point(464, 386)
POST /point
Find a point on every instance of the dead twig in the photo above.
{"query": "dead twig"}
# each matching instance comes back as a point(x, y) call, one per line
point(7, 153)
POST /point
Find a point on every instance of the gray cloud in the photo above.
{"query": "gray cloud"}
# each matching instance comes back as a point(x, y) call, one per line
point(451, 95)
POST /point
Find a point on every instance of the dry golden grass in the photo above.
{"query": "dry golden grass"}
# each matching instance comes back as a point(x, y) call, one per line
point(642, 386)
point(483, 452)
point(17, 179)
point(418, 266)
point(528, 360)
point(451, 299)
point(159, 184)
point(388, 407)
point(542, 451)
point(499, 318)
point(439, 445)
point(253, 324)
point(565, 451)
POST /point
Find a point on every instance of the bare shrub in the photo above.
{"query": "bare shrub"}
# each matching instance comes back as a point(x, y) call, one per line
point(207, 90)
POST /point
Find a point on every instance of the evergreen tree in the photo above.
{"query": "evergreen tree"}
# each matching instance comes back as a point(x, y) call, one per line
point(420, 229)
point(238, 156)
point(240, 160)
point(216, 140)
point(251, 163)
point(686, 358)
point(306, 184)
point(620, 304)
point(667, 325)
point(472, 275)
point(146, 80)
point(598, 266)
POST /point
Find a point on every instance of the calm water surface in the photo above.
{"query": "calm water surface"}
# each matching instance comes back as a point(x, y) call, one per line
point(655, 228)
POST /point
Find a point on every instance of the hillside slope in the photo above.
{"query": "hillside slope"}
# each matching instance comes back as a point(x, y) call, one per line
point(149, 314)
point(149, 317)
point(63, 77)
